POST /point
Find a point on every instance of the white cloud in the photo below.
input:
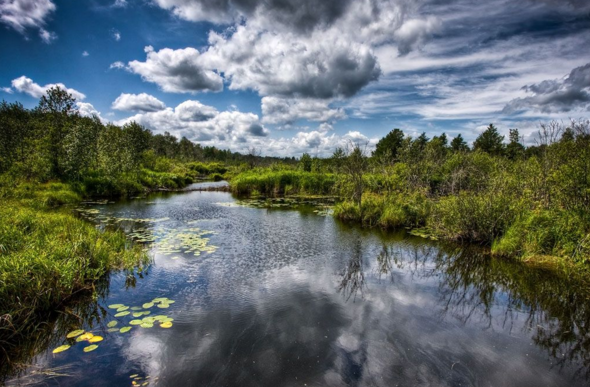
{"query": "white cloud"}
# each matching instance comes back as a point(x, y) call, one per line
point(177, 71)
point(85, 53)
point(7, 90)
point(117, 65)
point(239, 131)
point(116, 35)
point(24, 14)
point(138, 103)
point(27, 86)
point(87, 110)
point(47, 36)
point(120, 4)
point(286, 111)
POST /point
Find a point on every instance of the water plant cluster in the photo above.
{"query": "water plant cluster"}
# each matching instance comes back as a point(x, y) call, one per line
point(122, 313)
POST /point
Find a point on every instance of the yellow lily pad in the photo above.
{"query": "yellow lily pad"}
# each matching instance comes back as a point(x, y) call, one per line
point(90, 348)
point(167, 324)
point(133, 376)
point(123, 308)
point(148, 305)
point(95, 339)
point(116, 306)
point(61, 348)
point(125, 329)
point(75, 333)
point(85, 337)
point(121, 314)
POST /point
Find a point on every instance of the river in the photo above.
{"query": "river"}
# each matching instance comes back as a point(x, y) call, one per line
point(287, 297)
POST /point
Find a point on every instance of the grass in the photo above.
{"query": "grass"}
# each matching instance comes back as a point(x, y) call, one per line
point(47, 255)
point(283, 182)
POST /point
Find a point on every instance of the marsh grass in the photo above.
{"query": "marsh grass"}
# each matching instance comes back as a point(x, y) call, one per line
point(48, 255)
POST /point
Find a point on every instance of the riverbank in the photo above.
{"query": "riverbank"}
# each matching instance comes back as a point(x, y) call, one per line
point(499, 211)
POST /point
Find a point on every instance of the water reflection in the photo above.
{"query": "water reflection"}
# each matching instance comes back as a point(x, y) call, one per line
point(292, 298)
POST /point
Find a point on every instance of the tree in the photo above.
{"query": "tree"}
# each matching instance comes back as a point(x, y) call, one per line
point(56, 106)
point(514, 149)
point(353, 167)
point(490, 141)
point(389, 145)
point(459, 145)
point(305, 162)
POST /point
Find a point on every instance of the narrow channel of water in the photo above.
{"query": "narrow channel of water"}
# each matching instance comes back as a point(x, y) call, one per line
point(282, 297)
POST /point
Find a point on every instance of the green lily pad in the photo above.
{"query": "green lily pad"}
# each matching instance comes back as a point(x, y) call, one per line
point(148, 305)
point(137, 314)
point(147, 325)
point(111, 330)
point(90, 348)
point(121, 314)
point(135, 308)
point(135, 322)
point(75, 333)
point(163, 306)
point(116, 306)
point(61, 348)
point(112, 324)
point(123, 308)
point(125, 329)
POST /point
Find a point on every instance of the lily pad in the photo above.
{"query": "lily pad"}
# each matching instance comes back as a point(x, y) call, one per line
point(90, 348)
point(61, 348)
point(163, 306)
point(75, 333)
point(85, 337)
point(125, 329)
point(111, 330)
point(112, 324)
point(133, 376)
point(167, 324)
point(148, 305)
point(147, 325)
point(137, 314)
point(116, 306)
point(95, 339)
point(135, 322)
point(121, 314)
point(135, 308)
point(123, 308)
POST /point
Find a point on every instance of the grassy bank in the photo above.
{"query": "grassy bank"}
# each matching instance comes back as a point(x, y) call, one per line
point(48, 256)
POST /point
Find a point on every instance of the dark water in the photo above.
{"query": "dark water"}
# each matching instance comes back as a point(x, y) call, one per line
point(290, 298)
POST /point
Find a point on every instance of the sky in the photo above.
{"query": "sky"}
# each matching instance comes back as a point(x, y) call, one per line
point(294, 76)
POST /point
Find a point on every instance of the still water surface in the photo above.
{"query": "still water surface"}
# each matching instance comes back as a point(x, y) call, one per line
point(291, 298)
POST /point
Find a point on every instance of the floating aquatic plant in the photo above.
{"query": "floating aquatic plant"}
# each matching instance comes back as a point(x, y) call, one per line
point(61, 348)
point(75, 333)
point(90, 348)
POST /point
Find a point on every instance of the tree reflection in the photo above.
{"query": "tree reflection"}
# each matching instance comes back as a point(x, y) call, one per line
point(497, 292)
point(353, 277)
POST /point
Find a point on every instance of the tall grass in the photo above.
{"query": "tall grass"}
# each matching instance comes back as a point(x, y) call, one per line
point(283, 182)
point(47, 255)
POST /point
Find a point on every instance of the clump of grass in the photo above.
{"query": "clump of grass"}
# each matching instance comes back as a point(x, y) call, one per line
point(283, 182)
point(47, 255)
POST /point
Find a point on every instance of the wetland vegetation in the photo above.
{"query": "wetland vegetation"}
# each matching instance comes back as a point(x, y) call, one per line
point(68, 225)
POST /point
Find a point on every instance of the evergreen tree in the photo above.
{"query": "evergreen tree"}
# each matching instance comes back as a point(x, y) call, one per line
point(389, 145)
point(458, 144)
point(490, 141)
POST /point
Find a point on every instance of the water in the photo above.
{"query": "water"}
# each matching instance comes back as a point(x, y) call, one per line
point(291, 298)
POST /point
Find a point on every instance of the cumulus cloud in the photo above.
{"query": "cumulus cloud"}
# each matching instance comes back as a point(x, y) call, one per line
point(7, 90)
point(47, 36)
point(138, 103)
point(23, 14)
point(556, 95)
point(85, 53)
point(286, 111)
point(176, 71)
point(291, 66)
point(26, 85)
point(88, 110)
point(239, 131)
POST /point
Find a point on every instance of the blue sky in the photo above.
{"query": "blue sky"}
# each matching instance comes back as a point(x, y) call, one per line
point(294, 76)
